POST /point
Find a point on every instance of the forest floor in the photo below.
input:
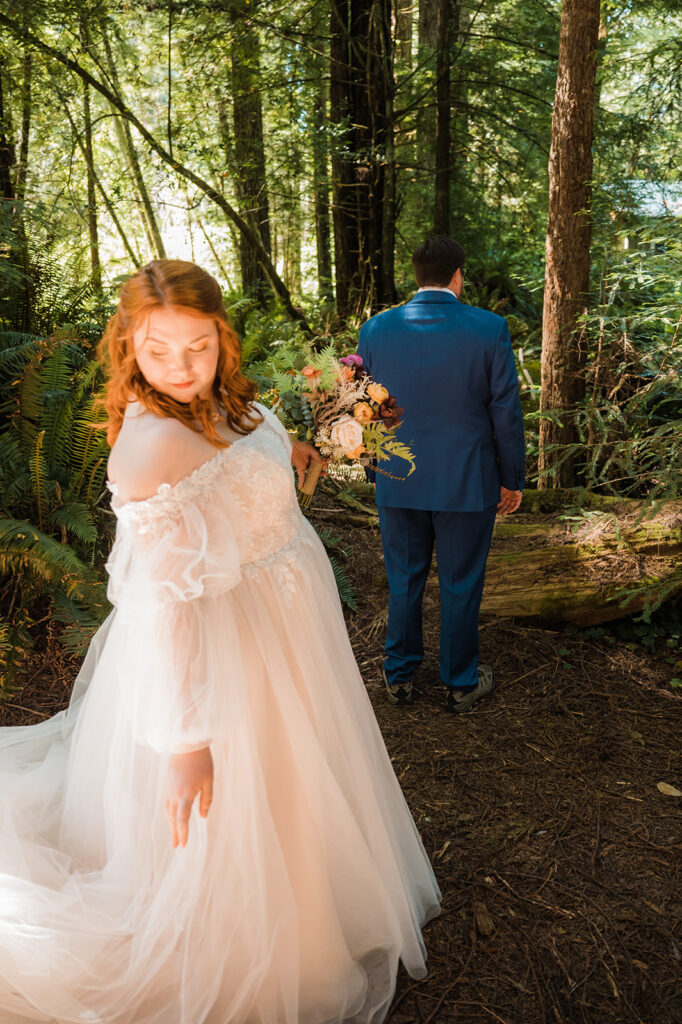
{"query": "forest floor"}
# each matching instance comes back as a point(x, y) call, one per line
point(559, 859)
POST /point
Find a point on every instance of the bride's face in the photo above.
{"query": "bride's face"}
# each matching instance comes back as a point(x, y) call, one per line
point(177, 352)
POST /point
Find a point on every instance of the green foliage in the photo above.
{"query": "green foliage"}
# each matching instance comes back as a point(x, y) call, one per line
point(53, 529)
point(630, 422)
point(335, 547)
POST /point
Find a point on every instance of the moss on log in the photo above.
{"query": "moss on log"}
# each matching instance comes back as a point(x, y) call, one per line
point(613, 561)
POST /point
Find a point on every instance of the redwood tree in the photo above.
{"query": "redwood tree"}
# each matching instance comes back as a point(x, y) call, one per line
point(567, 272)
point(249, 144)
point(361, 102)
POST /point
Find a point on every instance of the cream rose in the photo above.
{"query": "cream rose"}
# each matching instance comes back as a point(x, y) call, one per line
point(347, 434)
point(377, 393)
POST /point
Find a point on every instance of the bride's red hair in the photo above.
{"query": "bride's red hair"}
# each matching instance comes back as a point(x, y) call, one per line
point(174, 283)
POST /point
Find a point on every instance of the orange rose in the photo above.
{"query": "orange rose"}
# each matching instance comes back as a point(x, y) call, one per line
point(377, 393)
point(355, 453)
point(347, 373)
point(363, 412)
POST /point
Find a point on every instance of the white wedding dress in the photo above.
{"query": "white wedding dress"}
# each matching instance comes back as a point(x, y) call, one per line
point(294, 900)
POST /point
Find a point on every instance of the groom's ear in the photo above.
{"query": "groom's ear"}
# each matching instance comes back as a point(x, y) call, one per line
point(457, 282)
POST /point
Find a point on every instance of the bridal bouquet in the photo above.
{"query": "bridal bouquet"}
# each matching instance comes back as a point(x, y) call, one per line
point(334, 404)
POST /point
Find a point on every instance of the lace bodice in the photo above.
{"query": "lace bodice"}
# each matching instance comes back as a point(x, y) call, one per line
point(233, 515)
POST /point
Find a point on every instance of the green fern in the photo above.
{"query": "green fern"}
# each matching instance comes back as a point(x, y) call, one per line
point(344, 586)
point(39, 476)
point(75, 518)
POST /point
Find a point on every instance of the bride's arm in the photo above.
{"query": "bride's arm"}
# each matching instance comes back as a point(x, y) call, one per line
point(168, 580)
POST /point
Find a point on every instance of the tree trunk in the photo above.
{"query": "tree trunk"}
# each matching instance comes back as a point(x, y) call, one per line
point(360, 63)
point(426, 122)
point(249, 145)
point(22, 162)
point(389, 207)
point(343, 212)
point(95, 265)
point(567, 273)
point(127, 147)
point(105, 198)
point(25, 311)
point(441, 204)
point(320, 147)
point(428, 23)
point(17, 301)
point(403, 31)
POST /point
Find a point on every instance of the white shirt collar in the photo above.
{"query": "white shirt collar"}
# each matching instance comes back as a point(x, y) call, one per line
point(435, 288)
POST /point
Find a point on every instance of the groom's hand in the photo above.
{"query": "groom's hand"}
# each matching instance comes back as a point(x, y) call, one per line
point(509, 501)
point(302, 455)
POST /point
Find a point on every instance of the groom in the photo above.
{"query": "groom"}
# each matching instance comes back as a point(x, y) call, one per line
point(451, 367)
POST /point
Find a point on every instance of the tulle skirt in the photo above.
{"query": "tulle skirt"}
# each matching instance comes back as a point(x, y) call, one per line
point(293, 901)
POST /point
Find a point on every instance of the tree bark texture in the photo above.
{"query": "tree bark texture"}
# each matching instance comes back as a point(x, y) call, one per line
point(249, 146)
point(25, 310)
point(95, 265)
point(445, 22)
point(320, 146)
point(567, 272)
point(428, 23)
point(360, 91)
point(17, 301)
point(403, 31)
point(426, 122)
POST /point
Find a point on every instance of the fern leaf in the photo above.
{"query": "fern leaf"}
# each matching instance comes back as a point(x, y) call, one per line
point(344, 586)
point(39, 476)
point(76, 518)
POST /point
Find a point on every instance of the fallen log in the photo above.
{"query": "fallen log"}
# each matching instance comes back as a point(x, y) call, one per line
point(585, 564)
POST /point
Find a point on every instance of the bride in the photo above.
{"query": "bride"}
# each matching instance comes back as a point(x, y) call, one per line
point(221, 698)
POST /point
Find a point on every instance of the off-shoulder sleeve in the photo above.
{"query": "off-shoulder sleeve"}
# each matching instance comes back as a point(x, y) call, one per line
point(276, 425)
point(174, 564)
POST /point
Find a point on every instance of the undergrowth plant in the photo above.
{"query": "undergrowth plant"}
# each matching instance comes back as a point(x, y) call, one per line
point(54, 530)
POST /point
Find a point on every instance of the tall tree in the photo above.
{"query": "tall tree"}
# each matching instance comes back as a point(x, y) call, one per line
point(361, 104)
point(25, 307)
point(447, 12)
point(249, 143)
point(95, 264)
point(148, 218)
point(17, 298)
point(567, 270)
point(320, 148)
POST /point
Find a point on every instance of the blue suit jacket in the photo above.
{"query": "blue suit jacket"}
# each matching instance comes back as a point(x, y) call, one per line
point(451, 367)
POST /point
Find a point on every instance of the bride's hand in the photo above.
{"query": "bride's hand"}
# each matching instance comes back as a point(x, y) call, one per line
point(188, 775)
point(302, 454)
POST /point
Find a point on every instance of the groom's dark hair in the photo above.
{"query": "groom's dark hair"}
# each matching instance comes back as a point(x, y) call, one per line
point(436, 260)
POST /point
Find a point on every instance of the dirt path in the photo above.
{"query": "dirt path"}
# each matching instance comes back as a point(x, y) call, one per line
point(559, 859)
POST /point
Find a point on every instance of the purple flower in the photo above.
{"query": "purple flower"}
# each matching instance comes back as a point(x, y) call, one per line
point(352, 360)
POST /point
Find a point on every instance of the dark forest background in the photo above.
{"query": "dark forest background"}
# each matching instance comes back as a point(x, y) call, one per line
point(300, 151)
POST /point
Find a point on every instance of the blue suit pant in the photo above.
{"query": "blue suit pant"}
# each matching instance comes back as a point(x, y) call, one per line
point(462, 541)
